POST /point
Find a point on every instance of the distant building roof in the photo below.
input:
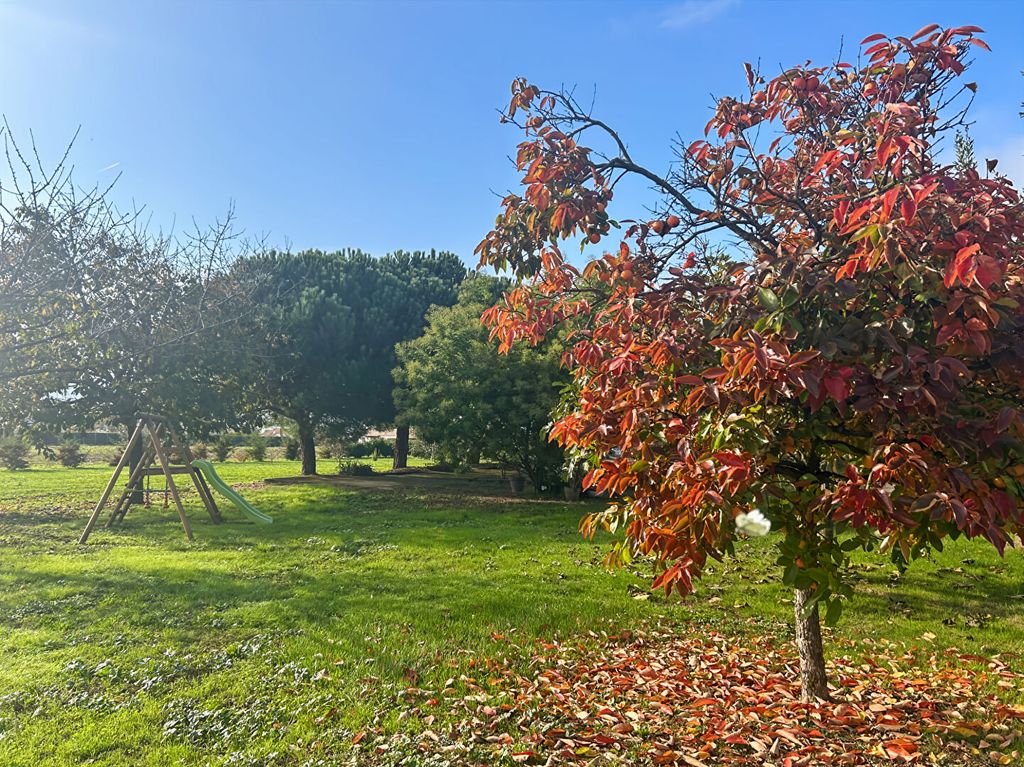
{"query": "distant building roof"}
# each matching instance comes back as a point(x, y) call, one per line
point(375, 434)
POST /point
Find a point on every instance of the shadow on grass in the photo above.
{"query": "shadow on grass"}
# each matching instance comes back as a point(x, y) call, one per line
point(358, 559)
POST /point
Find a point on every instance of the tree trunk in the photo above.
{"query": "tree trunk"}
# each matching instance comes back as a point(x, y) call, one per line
point(401, 459)
point(307, 448)
point(813, 682)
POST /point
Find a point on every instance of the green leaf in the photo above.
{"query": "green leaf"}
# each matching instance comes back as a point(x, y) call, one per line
point(868, 231)
point(768, 299)
point(790, 574)
point(833, 612)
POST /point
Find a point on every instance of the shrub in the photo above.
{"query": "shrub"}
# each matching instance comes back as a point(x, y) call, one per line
point(70, 454)
point(291, 450)
point(201, 451)
point(354, 468)
point(222, 447)
point(258, 447)
point(420, 449)
point(377, 448)
point(13, 453)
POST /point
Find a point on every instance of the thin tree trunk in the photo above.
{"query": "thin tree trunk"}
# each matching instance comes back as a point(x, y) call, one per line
point(401, 459)
point(307, 448)
point(813, 682)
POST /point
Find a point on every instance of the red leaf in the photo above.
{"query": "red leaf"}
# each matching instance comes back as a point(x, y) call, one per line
point(921, 194)
point(888, 200)
point(837, 386)
point(963, 266)
point(926, 29)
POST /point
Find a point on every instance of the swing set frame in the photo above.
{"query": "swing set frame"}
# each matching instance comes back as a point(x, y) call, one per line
point(159, 441)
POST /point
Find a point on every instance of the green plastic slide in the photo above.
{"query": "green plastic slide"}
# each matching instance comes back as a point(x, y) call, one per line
point(224, 489)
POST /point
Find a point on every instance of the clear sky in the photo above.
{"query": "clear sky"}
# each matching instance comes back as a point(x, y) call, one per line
point(374, 125)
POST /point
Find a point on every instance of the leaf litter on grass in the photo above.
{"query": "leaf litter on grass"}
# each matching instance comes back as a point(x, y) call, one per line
point(659, 698)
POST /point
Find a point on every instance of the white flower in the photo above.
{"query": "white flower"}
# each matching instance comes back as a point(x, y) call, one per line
point(753, 523)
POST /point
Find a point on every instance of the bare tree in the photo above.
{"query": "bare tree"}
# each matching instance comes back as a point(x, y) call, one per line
point(99, 318)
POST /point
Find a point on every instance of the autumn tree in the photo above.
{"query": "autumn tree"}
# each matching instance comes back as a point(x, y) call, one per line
point(823, 323)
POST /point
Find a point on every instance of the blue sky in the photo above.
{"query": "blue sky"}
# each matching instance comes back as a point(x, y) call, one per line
point(374, 125)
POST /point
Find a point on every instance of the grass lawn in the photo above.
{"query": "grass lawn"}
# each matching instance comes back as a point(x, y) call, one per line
point(279, 644)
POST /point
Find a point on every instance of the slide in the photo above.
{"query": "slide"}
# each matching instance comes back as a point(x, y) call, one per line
point(222, 487)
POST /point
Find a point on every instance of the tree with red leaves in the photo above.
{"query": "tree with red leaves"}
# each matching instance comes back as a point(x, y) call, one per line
point(824, 322)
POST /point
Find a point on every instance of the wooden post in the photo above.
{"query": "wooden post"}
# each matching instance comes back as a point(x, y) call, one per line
point(170, 484)
point(205, 494)
point(113, 481)
point(124, 503)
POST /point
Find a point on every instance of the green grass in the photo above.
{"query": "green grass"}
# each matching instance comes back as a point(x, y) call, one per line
point(264, 645)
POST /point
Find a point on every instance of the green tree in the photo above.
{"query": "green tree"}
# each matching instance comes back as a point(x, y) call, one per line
point(303, 332)
point(13, 453)
point(458, 391)
point(222, 447)
point(258, 445)
point(327, 327)
point(963, 147)
point(389, 297)
point(70, 454)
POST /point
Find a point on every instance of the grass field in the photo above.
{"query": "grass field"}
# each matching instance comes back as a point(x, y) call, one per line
point(266, 645)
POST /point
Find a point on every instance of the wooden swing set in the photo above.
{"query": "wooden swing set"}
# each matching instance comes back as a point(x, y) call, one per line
point(160, 443)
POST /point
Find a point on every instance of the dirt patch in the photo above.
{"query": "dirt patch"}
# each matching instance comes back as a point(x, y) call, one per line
point(257, 485)
point(485, 484)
